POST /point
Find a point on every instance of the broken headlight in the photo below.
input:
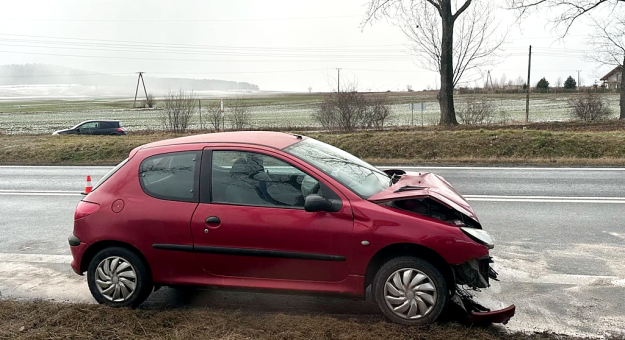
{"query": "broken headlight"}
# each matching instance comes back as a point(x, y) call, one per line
point(479, 236)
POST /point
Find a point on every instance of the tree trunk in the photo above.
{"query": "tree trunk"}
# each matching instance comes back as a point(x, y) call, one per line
point(622, 101)
point(446, 94)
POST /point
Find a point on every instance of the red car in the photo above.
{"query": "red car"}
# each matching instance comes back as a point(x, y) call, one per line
point(284, 212)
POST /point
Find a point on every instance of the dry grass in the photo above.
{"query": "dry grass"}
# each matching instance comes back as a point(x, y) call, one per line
point(48, 320)
point(574, 144)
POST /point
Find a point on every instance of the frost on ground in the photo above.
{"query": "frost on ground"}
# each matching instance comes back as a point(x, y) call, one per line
point(573, 301)
point(45, 113)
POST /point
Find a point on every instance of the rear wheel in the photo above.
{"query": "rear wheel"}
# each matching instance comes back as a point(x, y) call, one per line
point(410, 291)
point(119, 278)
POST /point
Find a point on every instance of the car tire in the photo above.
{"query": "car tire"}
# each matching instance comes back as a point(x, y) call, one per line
point(410, 291)
point(117, 277)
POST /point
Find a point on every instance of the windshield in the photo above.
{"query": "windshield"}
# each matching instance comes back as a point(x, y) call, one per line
point(359, 176)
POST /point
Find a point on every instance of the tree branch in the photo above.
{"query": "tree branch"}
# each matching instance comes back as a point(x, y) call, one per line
point(462, 9)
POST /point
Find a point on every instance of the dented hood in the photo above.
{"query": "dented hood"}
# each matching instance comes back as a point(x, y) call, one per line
point(425, 184)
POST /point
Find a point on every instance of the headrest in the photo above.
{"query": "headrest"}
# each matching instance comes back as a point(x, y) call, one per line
point(239, 167)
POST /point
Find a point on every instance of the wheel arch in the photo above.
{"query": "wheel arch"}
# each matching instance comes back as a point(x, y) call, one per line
point(409, 249)
point(96, 247)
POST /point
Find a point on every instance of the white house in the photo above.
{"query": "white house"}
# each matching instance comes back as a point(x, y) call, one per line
point(612, 80)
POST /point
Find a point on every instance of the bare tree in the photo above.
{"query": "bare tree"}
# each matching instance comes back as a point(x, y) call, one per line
point(565, 12)
point(446, 42)
point(590, 106)
point(239, 114)
point(558, 83)
point(215, 116)
point(179, 108)
point(150, 102)
point(477, 111)
point(608, 48)
point(351, 110)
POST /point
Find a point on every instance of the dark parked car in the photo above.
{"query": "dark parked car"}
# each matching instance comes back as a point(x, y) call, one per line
point(95, 127)
point(278, 211)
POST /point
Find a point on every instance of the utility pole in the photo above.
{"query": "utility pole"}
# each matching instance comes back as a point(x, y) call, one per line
point(338, 80)
point(527, 100)
point(137, 90)
point(489, 81)
point(578, 84)
point(199, 103)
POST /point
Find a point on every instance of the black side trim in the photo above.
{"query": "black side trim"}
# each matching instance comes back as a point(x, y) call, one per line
point(73, 241)
point(268, 253)
point(174, 247)
point(249, 252)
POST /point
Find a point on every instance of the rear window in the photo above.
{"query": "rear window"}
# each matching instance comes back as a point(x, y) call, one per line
point(110, 173)
point(171, 176)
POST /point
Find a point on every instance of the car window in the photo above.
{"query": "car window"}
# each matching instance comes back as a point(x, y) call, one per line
point(249, 178)
point(107, 125)
point(171, 176)
point(91, 125)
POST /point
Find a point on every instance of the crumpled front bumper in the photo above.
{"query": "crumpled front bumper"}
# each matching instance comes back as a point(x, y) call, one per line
point(476, 274)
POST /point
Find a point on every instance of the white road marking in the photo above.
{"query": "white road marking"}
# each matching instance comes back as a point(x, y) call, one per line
point(495, 168)
point(544, 200)
point(55, 167)
point(39, 193)
point(546, 197)
point(617, 235)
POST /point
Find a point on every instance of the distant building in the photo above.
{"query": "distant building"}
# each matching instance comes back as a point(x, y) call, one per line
point(612, 80)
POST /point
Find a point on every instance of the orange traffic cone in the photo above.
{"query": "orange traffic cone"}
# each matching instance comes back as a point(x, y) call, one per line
point(89, 187)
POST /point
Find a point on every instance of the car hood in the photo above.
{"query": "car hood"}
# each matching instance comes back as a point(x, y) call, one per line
point(425, 184)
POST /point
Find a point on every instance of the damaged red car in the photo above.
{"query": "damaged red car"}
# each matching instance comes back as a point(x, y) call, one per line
point(277, 211)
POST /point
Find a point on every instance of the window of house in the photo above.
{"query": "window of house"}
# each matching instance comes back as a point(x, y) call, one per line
point(171, 176)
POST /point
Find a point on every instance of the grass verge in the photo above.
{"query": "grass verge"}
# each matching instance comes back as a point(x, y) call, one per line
point(48, 320)
point(433, 146)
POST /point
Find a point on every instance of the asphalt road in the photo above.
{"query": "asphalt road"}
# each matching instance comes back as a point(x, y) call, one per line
point(560, 246)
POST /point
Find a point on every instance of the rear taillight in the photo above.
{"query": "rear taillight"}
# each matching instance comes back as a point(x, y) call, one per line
point(85, 209)
point(121, 130)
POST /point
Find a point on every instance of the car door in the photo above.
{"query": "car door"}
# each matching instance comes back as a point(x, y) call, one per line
point(104, 128)
point(88, 128)
point(251, 223)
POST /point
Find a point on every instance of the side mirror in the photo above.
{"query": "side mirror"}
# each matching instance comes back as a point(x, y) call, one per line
point(314, 203)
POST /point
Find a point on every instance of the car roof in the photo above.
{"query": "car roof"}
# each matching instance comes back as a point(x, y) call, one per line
point(99, 120)
point(278, 140)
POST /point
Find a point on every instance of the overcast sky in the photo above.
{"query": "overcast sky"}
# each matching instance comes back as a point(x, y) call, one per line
point(281, 45)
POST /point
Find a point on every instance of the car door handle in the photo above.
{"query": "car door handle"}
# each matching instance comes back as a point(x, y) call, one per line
point(213, 220)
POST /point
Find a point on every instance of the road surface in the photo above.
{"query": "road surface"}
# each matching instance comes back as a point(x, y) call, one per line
point(560, 246)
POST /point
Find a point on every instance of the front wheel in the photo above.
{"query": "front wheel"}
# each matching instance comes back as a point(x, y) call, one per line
point(118, 277)
point(410, 291)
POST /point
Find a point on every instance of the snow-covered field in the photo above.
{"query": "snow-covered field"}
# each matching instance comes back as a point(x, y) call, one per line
point(44, 109)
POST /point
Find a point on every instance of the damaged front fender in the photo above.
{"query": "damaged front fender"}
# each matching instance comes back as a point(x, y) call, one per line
point(476, 274)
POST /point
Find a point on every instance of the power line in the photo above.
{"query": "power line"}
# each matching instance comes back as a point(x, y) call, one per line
point(182, 20)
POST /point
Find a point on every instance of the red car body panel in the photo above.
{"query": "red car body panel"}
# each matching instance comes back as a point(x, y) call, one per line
point(426, 184)
point(181, 248)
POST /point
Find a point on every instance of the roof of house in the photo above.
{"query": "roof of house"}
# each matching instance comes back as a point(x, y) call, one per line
point(615, 70)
